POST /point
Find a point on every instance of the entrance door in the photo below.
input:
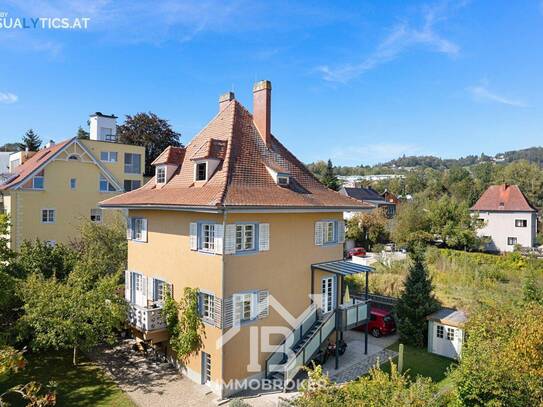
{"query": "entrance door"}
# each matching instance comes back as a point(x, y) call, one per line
point(138, 284)
point(327, 292)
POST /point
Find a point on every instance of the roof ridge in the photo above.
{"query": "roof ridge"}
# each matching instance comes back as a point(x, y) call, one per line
point(228, 154)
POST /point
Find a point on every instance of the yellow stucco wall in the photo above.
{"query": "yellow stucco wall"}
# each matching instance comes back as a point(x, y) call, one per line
point(284, 270)
point(71, 205)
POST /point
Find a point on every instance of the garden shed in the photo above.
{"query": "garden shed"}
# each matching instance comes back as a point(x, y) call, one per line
point(446, 332)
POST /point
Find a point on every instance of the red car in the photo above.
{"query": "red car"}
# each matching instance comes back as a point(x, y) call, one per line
point(381, 323)
point(356, 251)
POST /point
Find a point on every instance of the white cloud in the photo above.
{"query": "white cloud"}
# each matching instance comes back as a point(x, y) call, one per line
point(401, 38)
point(8, 98)
point(373, 153)
point(481, 93)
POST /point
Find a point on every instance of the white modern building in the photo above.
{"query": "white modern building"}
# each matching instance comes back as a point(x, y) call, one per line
point(507, 217)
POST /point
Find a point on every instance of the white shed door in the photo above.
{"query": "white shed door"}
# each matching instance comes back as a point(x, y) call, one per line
point(447, 341)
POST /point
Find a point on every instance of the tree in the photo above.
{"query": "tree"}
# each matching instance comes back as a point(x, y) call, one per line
point(184, 324)
point(11, 147)
point(368, 228)
point(329, 179)
point(42, 258)
point(532, 291)
point(411, 224)
point(73, 314)
point(502, 361)
point(150, 131)
point(82, 134)
point(31, 141)
point(6, 254)
point(417, 301)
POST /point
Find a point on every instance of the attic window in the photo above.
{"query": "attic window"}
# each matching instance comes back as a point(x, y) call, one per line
point(201, 172)
point(502, 204)
point(73, 157)
point(283, 180)
point(160, 175)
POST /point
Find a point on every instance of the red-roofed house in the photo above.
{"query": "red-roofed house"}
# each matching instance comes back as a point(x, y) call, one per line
point(237, 216)
point(508, 218)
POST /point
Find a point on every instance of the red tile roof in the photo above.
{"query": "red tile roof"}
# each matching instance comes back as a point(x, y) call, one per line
point(241, 178)
point(503, 197)
point(24, 170)
point(171, 155)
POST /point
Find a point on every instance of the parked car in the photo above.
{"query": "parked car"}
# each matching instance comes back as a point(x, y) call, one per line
point(381, 323)
point(356, 251)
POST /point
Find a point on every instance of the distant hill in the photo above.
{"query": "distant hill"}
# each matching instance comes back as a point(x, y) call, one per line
point(532, 154)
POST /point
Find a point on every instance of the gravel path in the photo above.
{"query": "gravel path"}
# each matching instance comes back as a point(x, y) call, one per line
point(149, 383)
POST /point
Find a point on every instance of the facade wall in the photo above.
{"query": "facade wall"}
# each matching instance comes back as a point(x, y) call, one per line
point(499, 226)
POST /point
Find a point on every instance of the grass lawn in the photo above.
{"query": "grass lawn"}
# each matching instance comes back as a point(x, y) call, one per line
point(419, 362)
point(83, 385)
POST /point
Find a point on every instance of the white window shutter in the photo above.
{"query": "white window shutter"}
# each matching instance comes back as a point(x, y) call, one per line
point(218, 312)
point(254, 305)
point(219, 235)
point(230, 239)
point(263, 304)
point(319, 233)
point(193, 232)
point(144, 230)
point(227, 313)
point(264, 237)
point(236, 309)
point(144, 289)
point(129, 228)
point(127, 286)
point(341, 231)
point(150, 289)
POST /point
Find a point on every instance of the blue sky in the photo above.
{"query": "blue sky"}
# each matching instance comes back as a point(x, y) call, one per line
point(360, 82)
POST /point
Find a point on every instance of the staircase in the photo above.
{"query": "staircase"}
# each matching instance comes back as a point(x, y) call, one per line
point(300, 347)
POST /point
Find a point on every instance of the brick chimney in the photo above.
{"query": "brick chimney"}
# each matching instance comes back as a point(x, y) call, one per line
point(262, 109)
point(224, 99)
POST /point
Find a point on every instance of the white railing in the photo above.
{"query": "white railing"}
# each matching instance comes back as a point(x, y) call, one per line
point(353, 314)
point(146, 318)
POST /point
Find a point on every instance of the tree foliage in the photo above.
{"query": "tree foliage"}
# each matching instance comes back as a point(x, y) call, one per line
point(416, 301)
point(40, 257)
point(82, 134)
point(368, 228)
point(150, 131)
point(184, 324)
point(329, 179)
point(502, 360)
point(30, 141)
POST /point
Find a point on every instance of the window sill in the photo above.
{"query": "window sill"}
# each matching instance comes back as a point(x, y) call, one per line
point(246, 252)
point(207, 252)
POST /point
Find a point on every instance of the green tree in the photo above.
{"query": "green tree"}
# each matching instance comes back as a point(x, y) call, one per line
point(527, 176)
point(318, 168)
point(532, 290)
point(6, 254)
point(411, 224)
point(368, 228)
point(502, 362)
point(329, 179)
point(45, 259)
point(184, 324)
point(416, 301)
point(72, 314)
point(150, 131)
point(31, 141)
point(82, 134)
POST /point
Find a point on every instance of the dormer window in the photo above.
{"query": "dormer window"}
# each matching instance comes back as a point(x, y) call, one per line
point(161, 175)
point(201, 171)
point(283, 180)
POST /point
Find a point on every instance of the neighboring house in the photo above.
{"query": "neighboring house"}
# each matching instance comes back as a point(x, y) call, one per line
point(237, 216)
point(371, 198)
point(49, 192)
point(4, 161)
point(446, 332)
point(390, 197)
point(508, 218)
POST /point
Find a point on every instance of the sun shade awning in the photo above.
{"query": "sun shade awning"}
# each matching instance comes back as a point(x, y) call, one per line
point(342, 267)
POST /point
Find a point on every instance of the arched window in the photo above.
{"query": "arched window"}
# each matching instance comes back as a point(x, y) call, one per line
point(73, 157)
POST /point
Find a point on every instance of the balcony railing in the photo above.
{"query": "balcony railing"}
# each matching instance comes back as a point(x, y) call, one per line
point(353, 314)
point(146, 318)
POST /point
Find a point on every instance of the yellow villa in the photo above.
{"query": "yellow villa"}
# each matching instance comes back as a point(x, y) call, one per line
point(47, 193)
point(237, 216)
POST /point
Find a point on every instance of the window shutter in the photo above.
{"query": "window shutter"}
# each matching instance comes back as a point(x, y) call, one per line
point(236, 309)
point(129, 228)
point(144, 288)
point(150, 289)
point(227, 312)
point(144, 230)
point(319, 231)
point(218, 312)
point(341, 231)
point(218, 241)
point(254, 305)
point(264, 237)
point(193, 236)
point(263, 304)
point(127, 286)
point(230, 239)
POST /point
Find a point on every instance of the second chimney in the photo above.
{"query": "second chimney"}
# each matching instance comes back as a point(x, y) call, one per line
point(224, 99)
point(262, 109)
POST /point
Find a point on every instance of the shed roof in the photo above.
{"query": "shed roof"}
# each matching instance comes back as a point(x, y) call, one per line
point(342, 267)
point(449, 316)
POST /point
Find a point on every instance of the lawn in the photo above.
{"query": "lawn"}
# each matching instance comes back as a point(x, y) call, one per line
point(419, 362)
point(83, 385)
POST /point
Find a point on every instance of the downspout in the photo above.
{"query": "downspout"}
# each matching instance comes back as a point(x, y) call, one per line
point(224, 219)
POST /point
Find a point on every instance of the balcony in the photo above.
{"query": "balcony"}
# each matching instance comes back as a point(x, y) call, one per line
point(352, 315)
point(146, 319)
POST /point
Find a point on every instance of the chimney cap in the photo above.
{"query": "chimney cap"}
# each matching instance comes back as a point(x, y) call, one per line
point(261, 85)
point(227, 97)
point(100, 114)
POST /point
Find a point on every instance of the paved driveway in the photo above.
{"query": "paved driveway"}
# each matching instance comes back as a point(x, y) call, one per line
point(149, 383)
